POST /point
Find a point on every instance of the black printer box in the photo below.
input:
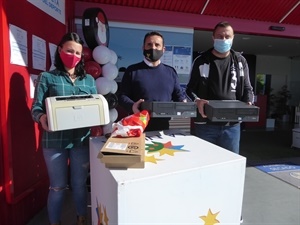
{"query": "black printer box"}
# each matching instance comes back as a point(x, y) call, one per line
point(231, 111)
point(170, 109)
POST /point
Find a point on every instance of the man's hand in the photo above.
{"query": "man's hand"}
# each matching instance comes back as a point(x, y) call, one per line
point(136, 106)
point(200, 105)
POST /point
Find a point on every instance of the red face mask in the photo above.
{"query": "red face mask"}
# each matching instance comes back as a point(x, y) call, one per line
point(69, 60)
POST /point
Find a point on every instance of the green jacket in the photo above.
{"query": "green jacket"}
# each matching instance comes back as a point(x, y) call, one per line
point(58, 83)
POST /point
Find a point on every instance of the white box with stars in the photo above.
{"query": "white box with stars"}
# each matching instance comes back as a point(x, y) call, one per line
point(186, 181)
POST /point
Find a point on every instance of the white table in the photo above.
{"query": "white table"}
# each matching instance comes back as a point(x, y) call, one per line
point(190, 183)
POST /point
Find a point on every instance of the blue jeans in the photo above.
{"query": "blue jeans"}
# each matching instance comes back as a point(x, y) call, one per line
point(227, 137)
point(57, 165)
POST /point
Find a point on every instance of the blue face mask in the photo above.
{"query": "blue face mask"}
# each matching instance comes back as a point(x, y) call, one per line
point(222, 46)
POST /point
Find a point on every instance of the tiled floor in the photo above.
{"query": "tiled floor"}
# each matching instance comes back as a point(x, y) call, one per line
point(267, 200)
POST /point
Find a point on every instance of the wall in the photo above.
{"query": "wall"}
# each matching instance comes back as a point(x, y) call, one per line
point(279, 67)
point(120, 13)
point(130, 49)
point(23, 179)
point(295, 81)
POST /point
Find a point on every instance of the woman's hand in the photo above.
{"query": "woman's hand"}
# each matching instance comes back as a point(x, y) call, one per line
point(44, 122)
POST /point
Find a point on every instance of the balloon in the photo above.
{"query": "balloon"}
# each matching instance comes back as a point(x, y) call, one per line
point(101, 54)
point(93, 68)
point(112, 100)
point(110, 71)
point(113, 86)
point(113, 57)
point(103, 85)
point(87, 54)
point(96, 131)
point(113, 115)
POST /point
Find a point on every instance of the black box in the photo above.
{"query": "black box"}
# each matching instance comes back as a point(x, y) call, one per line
point(170, 109)
point(231, 111)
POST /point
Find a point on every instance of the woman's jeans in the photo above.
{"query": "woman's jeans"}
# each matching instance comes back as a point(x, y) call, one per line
point(227, 137)
point(57, 161)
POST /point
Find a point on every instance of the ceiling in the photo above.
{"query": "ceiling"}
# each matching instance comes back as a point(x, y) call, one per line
point(282, 12)
point(254, 45)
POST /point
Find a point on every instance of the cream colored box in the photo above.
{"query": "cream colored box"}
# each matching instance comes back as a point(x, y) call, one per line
point(76, 111)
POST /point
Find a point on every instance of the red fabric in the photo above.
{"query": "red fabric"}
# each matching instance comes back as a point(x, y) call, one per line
point(132, 125)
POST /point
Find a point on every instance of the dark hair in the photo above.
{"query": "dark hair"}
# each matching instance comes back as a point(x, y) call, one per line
point(79, 69)
point(153, 33)
point(223, 24)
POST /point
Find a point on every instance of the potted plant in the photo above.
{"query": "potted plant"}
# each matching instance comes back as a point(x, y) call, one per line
point(279, 104)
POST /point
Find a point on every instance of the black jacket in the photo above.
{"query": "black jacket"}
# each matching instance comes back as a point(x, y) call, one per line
point(201, 83)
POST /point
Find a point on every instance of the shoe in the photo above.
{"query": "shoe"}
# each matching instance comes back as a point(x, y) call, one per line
point(81, 220)
point(241, 220)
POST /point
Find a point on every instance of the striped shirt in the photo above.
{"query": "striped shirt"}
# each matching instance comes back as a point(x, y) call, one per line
point(58, 83)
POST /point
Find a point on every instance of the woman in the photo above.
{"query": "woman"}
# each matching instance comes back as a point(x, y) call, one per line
point(68, 146)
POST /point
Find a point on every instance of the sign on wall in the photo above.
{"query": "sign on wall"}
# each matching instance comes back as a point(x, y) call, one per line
point(54, 8)
point(18, 46)
point(179, 57)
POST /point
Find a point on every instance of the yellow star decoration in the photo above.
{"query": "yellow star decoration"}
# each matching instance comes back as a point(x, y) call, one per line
point(167, 151)
point(210, 218)
point(105, 219)
point(102, 214)
point(152, 159)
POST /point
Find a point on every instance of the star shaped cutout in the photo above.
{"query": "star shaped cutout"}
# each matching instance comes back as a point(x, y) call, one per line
point(152, 159)
point(210, 218)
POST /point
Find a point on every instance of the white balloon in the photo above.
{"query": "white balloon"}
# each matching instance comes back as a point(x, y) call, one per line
point(110, 71)
point(101, 54)
point(113, 86)
point(113, 57)
point(113, 115)
point(103, 85)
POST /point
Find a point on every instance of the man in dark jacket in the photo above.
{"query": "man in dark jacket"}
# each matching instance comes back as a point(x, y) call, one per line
point(150, 80)
point(219, 74)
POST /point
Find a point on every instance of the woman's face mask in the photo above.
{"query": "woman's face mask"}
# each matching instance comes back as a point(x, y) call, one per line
point(222, 46)
point(69, 60)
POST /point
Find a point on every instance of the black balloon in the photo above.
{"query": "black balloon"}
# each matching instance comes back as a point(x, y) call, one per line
point(95, 27)
point(112, 100)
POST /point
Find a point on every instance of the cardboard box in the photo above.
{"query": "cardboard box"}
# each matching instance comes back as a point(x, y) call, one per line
point(123, 152)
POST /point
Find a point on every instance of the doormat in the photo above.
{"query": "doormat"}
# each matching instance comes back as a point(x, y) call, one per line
point(289, 173)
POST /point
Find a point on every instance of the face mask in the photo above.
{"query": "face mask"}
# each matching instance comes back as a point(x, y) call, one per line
point(153, 55)
point(222, 46)
point(69, 60)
